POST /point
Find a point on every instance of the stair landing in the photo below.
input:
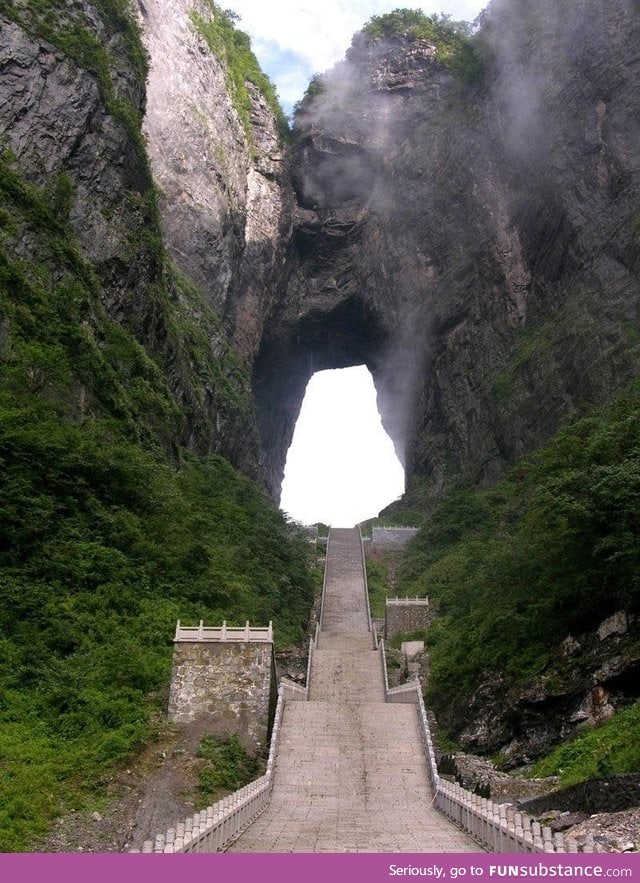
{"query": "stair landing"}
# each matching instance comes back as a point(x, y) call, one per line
point(350, 774)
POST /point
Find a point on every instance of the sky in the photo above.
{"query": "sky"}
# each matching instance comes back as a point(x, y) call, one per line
point(341, 467)
point(294, 40)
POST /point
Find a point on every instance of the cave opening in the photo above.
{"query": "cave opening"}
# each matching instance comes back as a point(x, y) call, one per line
point(341, 466)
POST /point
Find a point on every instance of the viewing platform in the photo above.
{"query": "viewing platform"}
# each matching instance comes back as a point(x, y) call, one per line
point(201, 633)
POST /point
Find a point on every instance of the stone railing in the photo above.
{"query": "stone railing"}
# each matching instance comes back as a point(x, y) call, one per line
point(313, 645)
point(214, 828)
point(404, 602)
point(497, 827)
point(403, 693)
point(223, 634)
point(324, 586)
point(366, 589)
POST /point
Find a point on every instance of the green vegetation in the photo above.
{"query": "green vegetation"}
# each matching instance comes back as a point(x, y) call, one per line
point(233, 48)
point(453, 39)
point(551, 550)
point(109, 529)
point(381, 576)
point(102, 548)
point(377, 582)
point(67, 28)
point(228, 767)
point(611, 748)
point(535, 346)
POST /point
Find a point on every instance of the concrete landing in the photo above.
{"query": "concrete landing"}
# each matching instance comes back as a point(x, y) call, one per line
point(350, 774)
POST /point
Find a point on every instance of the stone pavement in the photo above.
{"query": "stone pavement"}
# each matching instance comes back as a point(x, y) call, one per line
point(350, 774)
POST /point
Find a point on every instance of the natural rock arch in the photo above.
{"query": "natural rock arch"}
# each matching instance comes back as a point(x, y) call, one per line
point(347, 335)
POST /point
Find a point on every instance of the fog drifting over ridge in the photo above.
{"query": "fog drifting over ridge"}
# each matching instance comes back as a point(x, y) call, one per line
point(295, 40)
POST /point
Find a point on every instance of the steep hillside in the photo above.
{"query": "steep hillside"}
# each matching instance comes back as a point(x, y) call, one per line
point(124, 406)
point(536, 584)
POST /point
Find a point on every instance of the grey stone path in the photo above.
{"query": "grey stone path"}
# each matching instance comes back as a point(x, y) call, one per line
point(350, 774)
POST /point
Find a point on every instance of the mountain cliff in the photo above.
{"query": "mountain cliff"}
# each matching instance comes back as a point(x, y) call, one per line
point(468, 210)
point(466, 225)
point(456, 210)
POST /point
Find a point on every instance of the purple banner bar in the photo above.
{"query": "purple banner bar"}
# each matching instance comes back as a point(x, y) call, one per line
point(317, 868)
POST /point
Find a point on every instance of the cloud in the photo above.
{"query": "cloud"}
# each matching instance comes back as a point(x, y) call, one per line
point(294, 40)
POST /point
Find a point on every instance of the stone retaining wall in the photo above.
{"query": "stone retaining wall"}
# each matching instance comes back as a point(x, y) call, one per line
point(405, 616)
point(610, 794)
point(232, 684)
point(392, 537)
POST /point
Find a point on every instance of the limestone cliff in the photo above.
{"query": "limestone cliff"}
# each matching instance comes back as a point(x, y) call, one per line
point(224, 197)
point(460, 217)
point(466, 225)
point(170, 263)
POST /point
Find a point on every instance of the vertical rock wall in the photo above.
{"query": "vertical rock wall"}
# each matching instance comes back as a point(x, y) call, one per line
point(224, 196)
point(231, 686)
point(475, 239)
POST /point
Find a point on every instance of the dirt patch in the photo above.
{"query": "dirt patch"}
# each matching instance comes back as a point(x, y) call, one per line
point(154, 792)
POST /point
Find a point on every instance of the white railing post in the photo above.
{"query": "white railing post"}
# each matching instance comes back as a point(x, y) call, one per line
point(212, 829)
point(547, 839)
point(536, 831)
point(364, 578)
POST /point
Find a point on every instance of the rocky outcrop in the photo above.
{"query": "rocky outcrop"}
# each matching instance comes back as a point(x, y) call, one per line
point(71, 120)
point(613, 794)
point(224, 198)
point(589, 678)
point(473, 242)
point(469, 233)
point(57, 121)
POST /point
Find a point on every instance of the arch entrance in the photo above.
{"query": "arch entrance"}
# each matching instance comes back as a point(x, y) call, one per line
point(294, 348)
point(341, 467)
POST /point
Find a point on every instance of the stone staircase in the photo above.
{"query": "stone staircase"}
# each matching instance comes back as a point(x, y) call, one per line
point(351, 774)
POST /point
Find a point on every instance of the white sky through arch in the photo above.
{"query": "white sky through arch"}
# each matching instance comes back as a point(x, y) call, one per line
point(341, 466)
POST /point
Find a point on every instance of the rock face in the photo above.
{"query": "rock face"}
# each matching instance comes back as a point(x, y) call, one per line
point(55, 120)
point(592, 675)
point(225, 201)
point(71, 119)
point(472, 239)
point(475, 244)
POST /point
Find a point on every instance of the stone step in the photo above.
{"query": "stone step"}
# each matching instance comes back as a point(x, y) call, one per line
point(341, 675)
point(344, 606)
point(350, 774)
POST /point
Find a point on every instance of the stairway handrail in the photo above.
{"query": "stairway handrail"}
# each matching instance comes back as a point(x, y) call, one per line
point(366, 584)
point(498, 827)
point(214, 828)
